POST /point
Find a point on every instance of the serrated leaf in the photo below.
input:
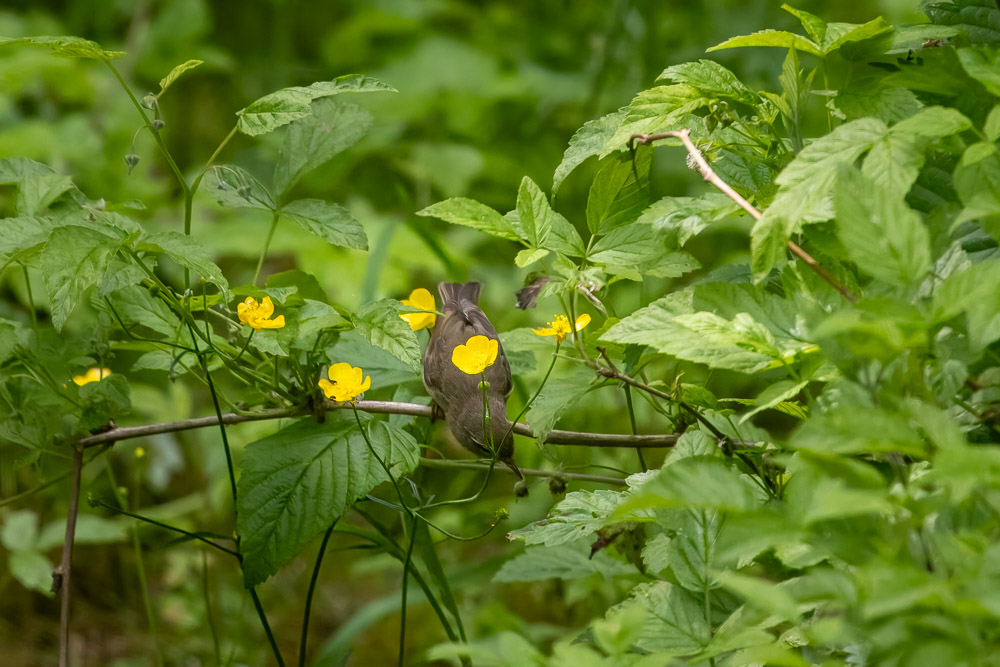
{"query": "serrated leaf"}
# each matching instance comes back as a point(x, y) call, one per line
point(176, 72)
point(136, 306)
point(620, 191)
point(982, 63)
point(692, 553)
point(979, 19)
point(379, 323)
point(67, 47)
point(236, 187)
point(534, 213)
point(685, 217)
point(470, 213)
point(631, 245)
point(529, 256)
point(566, 561)
point(657, 109)
point(187, 252)
point(312, 141)
point(331, 222)
point(762, 594)
point(776, 393)
point(675, 624)
point(575, 517)
point(711, 79)
point(778, 38)
point(73, 260)
point(588, 141)
point(289, 104)
point(973, 292)
point(36, 192)
point(695, 482)
point(884, 236)
point(557, 396)
point(298, 481)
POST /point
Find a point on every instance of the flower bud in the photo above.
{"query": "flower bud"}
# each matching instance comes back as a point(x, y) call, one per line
point(131, 159)
point(521, 489)
point(557, 485)
point(148, 101)
point(158, 124)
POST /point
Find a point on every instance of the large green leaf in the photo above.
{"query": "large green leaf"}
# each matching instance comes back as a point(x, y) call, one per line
point(588, 141)
point(709, 483)
point(190, 254)
point(973, 292)
point(67, 47)
point(315, 139)
point(579, 515)
point(331, 222)
point(73, 259)
point(676, 624)
point(298, 481)
point(380, 324)
point(470, 213)
point(566, 561)
point(885, 237)
point(236, 187)
point(657, 109)
point(620, 191)
point(290, 104)
point(557, 396)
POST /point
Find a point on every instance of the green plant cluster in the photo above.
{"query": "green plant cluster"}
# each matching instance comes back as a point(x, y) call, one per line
point(833, 492)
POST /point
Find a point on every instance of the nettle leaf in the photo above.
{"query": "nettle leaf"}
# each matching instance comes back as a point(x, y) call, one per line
point(627, 247)
point(379, 323)
point(331, 222)
point(298, 481)
point(895, 160)
point(712, 79)
point(236, 187)
point(617, 197)
point(805, 182)
point(557, 396)
point(979, 19)
point(312, 141)
point(588, 141)
point(176, 73)
point(694, 482)
point(972, 291)
point(676, 623)
point(685, 217)
point(692, 553)
point(577, 516)
point(290, 104)
point(470, 213)
point(566, 561)
point(657, 109)
point(882, 235)
point(779, 38)
point(73, 260)
point(190, 254)
point(67, 47)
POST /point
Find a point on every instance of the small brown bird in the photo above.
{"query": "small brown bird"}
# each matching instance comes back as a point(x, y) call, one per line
point(457, 393)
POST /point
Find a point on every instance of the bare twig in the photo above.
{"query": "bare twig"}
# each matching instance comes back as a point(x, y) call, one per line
point(706, 171)
point(528, 472)
point(61, 575)
point(555, 437)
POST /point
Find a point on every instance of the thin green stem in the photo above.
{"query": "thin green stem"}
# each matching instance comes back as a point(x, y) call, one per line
point(208, 608)
point(402, 605)
point(524, 410)
point(309, 594)
point(31, 299)
point(166, 526)
point(244, 348)
point(631, 418)
point(267, 244)
point(222, 424)
point(52, 482)
point(267, 626)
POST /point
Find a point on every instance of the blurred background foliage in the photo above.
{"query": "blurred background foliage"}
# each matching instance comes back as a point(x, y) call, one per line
point(488, 92)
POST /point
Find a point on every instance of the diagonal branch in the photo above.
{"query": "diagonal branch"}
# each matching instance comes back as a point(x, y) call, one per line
point(555, 437)
point(706, 171)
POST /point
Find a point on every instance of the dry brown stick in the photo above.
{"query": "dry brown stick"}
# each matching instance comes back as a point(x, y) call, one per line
point(555, 437)
point(61, 575)
point(709, 175)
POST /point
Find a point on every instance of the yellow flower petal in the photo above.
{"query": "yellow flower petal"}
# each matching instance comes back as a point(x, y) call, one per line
point(257, 315)
point(559, 327)
point(478, 353)
point(420, 298)
point(582, 321)
point(345, 384)
point(92, 375)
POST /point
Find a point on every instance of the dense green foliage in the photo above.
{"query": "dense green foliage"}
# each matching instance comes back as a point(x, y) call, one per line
point(833, 492)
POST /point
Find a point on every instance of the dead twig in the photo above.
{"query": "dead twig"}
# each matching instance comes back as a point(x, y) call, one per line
point(61, 575)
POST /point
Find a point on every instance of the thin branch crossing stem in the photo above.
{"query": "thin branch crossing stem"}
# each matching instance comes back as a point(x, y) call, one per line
point(709, 175)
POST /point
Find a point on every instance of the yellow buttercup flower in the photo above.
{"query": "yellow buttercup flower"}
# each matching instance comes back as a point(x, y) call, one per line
point(478, 353)
point(560, 327)
point(346, 383)
point(257, 316)
point(419, 298)
point(139, 452)
point(92, 375)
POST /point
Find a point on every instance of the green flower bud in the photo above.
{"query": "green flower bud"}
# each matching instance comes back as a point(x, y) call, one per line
point(131, 159)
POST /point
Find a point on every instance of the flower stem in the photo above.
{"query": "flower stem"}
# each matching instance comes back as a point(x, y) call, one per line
point(309, 594)
point(267, 244)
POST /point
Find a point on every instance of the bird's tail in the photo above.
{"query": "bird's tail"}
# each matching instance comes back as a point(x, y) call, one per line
point(459, 292)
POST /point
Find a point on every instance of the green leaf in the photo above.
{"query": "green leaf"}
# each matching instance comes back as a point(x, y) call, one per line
point(857, 429)
point(470, 213)
point(331, 222)
point(379, 323)
point(973, 292)
point(588, 141)
point(90, 529)
point(686, 217)
point(814, 26)
point(73, 260)
point(566, 561)
point(36, 192)
point(190, 254)
point(628, 246)
point(557, 396)
point(290, 104)
point(676, 623)
point(236, 187)
point(136, 306)
point(983, 64)
point(691, 552)
point(20, 530)
point(991, 128)
point(67, 47)
point(977, 180)
point(778, 38)
point(577, 516)
point(804, 183)
point(885, 237)
point(534, 213)
point(385, 369)
point(657, 109)
point(312, 141)
point(979, 19)
point(711, 79)
point(693, 482)
point(774, 395)
point(33, 570)
point(616, 196)
point(298, 481)
point(529, 256)
point(761, 594)
point(176, 72)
